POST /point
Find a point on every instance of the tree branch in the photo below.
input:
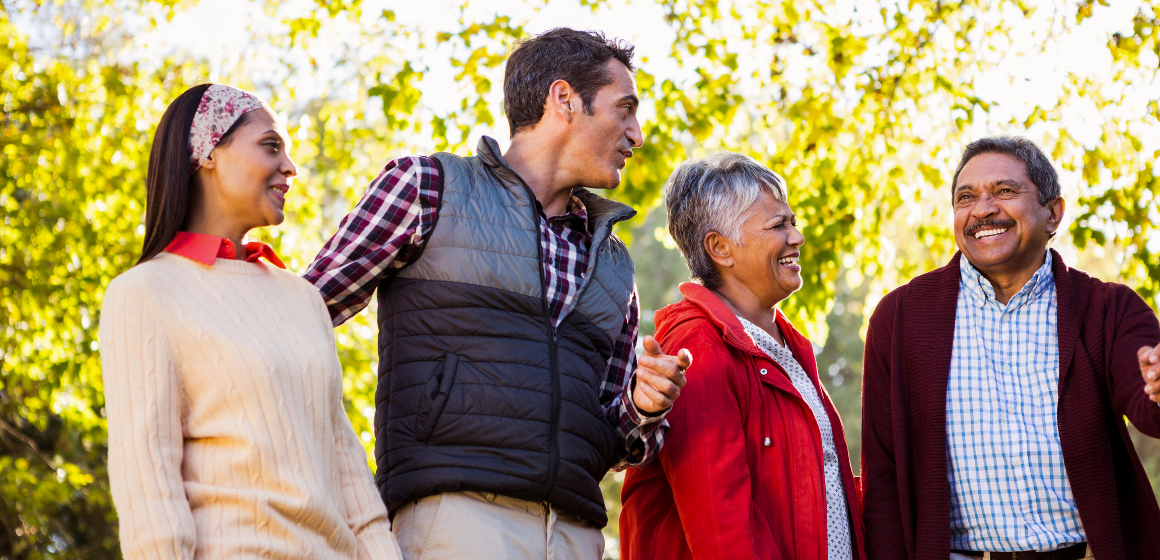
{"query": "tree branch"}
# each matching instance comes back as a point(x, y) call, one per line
point(11, 430)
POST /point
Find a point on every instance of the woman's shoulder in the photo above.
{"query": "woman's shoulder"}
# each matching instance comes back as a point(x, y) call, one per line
point(294, 282)
point(299, 287)
point(142, 277)
point(697, 333)
point(686, 321)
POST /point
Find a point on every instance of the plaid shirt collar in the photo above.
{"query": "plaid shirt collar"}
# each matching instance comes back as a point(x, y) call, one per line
point(597, 210)
point(980, 292)
point(574, 217)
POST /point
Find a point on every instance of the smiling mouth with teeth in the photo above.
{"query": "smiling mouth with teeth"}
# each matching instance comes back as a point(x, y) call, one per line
point(787, 260)
point(989, 233)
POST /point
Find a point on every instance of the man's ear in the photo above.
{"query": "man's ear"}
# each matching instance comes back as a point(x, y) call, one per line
point(719, 248)
point(562, 100)
point(1055, 216)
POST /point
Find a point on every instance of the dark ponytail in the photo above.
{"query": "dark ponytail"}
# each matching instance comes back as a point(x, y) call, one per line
point(169, 179)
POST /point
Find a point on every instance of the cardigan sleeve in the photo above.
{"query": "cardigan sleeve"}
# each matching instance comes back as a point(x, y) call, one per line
point(1135, 326)
point(882, 510)
point(143, 403)
point(704, 459)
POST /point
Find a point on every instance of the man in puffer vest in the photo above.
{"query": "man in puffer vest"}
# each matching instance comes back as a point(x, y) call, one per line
point(508, 316)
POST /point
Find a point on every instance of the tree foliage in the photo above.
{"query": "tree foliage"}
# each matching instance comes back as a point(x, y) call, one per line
point(863, 107)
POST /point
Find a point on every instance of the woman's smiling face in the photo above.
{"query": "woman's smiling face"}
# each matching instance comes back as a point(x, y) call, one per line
point(252, 172)
point(766, 258)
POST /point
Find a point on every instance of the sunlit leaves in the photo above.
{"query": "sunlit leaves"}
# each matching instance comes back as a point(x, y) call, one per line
point(71, 203)
point(861, 106)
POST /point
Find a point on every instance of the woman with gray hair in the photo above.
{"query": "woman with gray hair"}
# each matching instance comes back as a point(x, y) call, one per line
point(755, 463)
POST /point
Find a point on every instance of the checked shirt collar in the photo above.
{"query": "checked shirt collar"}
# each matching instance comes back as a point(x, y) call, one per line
point(980, 292)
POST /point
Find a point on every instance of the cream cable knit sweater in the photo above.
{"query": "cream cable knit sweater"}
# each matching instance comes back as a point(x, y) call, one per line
point(227, 432)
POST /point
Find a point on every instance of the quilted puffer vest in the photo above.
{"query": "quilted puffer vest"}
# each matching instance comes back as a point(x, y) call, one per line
point(478, 391)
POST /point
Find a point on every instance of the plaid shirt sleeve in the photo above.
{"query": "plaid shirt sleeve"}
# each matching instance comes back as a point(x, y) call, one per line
point(641, 435)
point(384, 230)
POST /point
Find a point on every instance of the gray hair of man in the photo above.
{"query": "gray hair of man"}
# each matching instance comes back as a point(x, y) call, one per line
point(714, 193)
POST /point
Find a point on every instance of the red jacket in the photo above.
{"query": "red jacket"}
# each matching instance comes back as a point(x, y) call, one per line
point(715, 491)
point(905, 375)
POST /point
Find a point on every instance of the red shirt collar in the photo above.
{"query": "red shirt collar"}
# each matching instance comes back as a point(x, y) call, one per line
point(206, 248)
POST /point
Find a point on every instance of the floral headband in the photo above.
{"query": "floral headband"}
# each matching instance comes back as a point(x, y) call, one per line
point(219, 109)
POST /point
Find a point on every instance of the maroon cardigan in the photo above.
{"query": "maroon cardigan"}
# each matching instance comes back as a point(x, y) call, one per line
point(904, 456)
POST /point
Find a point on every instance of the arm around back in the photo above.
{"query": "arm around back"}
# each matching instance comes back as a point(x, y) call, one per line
point(144, 407)
point(882, 510)
point(704, 456)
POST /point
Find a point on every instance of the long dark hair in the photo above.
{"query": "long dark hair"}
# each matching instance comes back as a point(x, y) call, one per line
point(168, 179)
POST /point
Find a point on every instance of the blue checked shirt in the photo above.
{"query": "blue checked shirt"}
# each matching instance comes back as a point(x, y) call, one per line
point(1009, 490)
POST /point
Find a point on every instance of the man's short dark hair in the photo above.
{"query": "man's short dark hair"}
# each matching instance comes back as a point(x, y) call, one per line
point(577, 57)
point(1039, 168)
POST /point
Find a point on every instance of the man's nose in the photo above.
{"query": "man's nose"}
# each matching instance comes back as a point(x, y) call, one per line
point(984, 206)
point(634, 133)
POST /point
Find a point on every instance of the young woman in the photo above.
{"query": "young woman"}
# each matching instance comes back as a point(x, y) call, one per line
point(227, 432)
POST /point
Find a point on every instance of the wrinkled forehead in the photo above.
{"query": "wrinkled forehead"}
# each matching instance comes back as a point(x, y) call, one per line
point(989, 169)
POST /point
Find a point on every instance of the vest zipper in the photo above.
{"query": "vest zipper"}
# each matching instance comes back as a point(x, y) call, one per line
point(554, 424)
point(553, 358)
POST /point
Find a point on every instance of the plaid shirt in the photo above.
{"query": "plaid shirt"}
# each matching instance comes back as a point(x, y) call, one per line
point(1009, 490)
point(386, 229)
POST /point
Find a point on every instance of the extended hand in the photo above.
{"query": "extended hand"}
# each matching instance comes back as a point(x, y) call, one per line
point(1150, 369)
point(659, 378)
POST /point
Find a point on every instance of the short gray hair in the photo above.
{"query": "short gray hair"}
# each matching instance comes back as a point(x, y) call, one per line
point(714, 193)
point(1038, 164)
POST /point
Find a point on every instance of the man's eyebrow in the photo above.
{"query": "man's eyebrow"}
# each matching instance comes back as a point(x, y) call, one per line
point(1005, 181)
point(1010, 182)
point(631, 98)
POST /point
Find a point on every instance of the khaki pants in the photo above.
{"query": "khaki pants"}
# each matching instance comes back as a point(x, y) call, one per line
point(458, 525)
point(986, 556)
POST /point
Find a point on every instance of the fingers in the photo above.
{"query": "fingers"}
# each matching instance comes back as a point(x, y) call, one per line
point(671, 368)
point(1152, 387)
point(659, 377)
point(654, 393)
point(1150, 369)
point(652, 347)
point(1149, 355)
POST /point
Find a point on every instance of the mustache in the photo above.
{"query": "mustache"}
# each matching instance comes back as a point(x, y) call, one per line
point(988, 223)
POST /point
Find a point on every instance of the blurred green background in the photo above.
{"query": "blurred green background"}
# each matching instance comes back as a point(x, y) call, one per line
point(863, 106)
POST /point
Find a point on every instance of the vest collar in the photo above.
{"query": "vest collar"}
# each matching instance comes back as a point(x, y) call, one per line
point(602, 212)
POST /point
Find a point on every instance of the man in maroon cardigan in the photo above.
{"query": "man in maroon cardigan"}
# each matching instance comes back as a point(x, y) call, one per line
point(995, 389)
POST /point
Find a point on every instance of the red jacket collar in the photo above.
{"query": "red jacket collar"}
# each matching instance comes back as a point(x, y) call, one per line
point(700, 302)
point(207, 248)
